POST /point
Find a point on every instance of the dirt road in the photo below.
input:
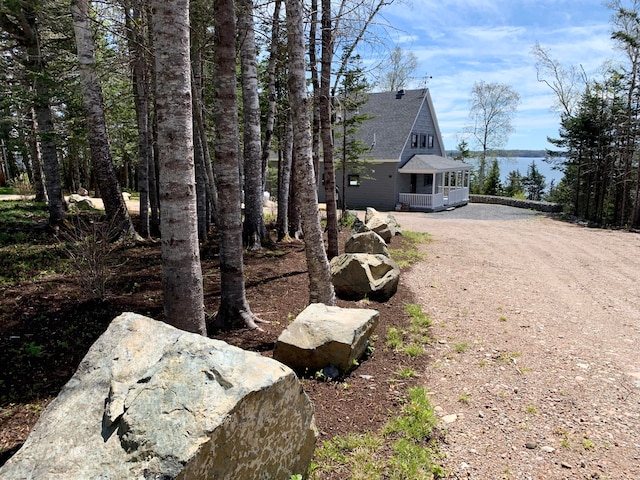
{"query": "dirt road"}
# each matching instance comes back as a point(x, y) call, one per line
point(536, 370)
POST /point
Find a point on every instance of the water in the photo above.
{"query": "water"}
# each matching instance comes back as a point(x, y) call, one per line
point(521, 164)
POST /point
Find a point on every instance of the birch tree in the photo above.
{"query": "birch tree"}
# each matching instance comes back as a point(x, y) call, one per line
point(493, 108)
point(181, 270)
point(320, 286)
point(115, 208)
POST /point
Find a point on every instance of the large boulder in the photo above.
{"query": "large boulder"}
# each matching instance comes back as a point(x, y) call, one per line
point(366, 242)
point(359, 275)
point(323, 335)
point(150, 401)
point(384, 224)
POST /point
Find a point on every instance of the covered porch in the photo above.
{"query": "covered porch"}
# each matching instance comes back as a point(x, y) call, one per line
point(434, 183)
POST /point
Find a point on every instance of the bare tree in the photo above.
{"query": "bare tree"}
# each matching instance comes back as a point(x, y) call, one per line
point(181, 270)
point(493, 107)
point(402, 65)
point(566, 83)
point(320, 286)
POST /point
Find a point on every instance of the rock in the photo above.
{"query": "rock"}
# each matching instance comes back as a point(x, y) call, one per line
point(366, 242)
point(126, 196)
point(450, 418)
point(83, 192)
point(81, 203)
point(531, 445)
point(322, 335)
point(359, 275)
point(384, 224)
point(359, 226)
point(150, 401)
point(547, 449)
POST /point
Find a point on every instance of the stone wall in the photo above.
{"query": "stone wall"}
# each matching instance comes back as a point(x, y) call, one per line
point(547, 207)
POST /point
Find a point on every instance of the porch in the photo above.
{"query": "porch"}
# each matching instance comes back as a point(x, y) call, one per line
point(445, 183)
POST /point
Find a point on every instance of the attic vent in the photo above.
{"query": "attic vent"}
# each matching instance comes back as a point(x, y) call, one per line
point(399, 94)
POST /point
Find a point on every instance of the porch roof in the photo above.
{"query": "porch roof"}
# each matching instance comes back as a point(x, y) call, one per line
point(433, 164)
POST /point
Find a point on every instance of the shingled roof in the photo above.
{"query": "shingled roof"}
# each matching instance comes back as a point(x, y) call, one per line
point(393, 116)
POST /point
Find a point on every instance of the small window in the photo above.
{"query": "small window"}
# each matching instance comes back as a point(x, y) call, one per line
point(423, 141)
point(430, 141)
point(414, 140)
point(354, 180)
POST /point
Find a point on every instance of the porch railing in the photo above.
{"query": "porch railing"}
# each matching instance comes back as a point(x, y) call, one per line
point(456, 195)
point(420, 200)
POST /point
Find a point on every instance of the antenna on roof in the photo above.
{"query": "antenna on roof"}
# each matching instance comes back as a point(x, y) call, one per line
point(425, 81)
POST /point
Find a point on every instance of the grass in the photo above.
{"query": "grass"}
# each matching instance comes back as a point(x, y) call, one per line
point(409, 254)
point(413, 454)
point(461, 347)
point(406, 372)
point(411, 341)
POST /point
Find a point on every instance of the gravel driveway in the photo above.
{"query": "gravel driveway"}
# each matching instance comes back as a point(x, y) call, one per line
point(536, 363)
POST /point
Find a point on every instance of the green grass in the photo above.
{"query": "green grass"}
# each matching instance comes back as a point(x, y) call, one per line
point(406, 372)
point(413, 454)
point(409, 254)
point(412, 341)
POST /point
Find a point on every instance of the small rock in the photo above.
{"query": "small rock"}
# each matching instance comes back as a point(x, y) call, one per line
point(548, 449)
point(438, 409)
point(531, 445)
point(565, 465)
point(464, 465)
point(579, 378)
point(450, 418)
point(330, 372)
point(366, 377)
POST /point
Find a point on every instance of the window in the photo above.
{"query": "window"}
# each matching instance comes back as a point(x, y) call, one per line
point(414, 140)
point(423, 141)
point(354, 180)
point(430, 141)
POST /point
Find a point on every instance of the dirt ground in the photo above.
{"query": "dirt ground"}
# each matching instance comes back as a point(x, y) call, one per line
point(535, 367)
point(537, 364)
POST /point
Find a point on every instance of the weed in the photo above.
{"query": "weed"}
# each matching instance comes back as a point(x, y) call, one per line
point(502, 318)
point(461, 347)
point(394, 338)
point(464, 398)
point(418, 417)
point(32, 349)
point(406, 372)
point(482, 363)
point(587, 444)
point(413, 350)
point(531, 409)
point(409, 255)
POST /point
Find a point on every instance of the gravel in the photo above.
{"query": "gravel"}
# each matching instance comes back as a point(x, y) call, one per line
point(547, 386)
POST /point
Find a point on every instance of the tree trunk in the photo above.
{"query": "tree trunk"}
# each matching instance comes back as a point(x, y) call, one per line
point(36, 162)
point(254, 230)
point(320, 286)
point(234, 310)
point(271, 91)
point(181, 270)
point(284, 182)
point(315, 82)
point(327, 137)
point(135, 22)
point(114, 205)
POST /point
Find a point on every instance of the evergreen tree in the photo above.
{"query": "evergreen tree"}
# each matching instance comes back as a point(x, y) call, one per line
point(513, 187)
point(492, 184)
point(534, 183)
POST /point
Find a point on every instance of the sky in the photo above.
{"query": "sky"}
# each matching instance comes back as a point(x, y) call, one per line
point(461, 42)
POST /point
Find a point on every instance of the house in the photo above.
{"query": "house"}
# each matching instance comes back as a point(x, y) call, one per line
point(408, 166)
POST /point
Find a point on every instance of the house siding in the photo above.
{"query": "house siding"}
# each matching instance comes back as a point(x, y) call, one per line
point(379, 192)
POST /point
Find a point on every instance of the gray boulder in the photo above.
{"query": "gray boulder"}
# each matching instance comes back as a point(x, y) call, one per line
point(322, 335)
point(359, 275)
point(150, 401)
point(366, 242)
point(384, 224)
point(81, 202)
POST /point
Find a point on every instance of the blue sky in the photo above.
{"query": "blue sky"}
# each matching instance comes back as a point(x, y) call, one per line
point(460, 42)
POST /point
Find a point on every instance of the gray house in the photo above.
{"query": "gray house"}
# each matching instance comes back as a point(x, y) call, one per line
point(408, 167)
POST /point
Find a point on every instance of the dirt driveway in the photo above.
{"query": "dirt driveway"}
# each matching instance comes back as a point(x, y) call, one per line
point(536, 368)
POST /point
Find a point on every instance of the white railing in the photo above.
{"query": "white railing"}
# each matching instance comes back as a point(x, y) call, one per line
point(420, 200)
point(457, 195)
